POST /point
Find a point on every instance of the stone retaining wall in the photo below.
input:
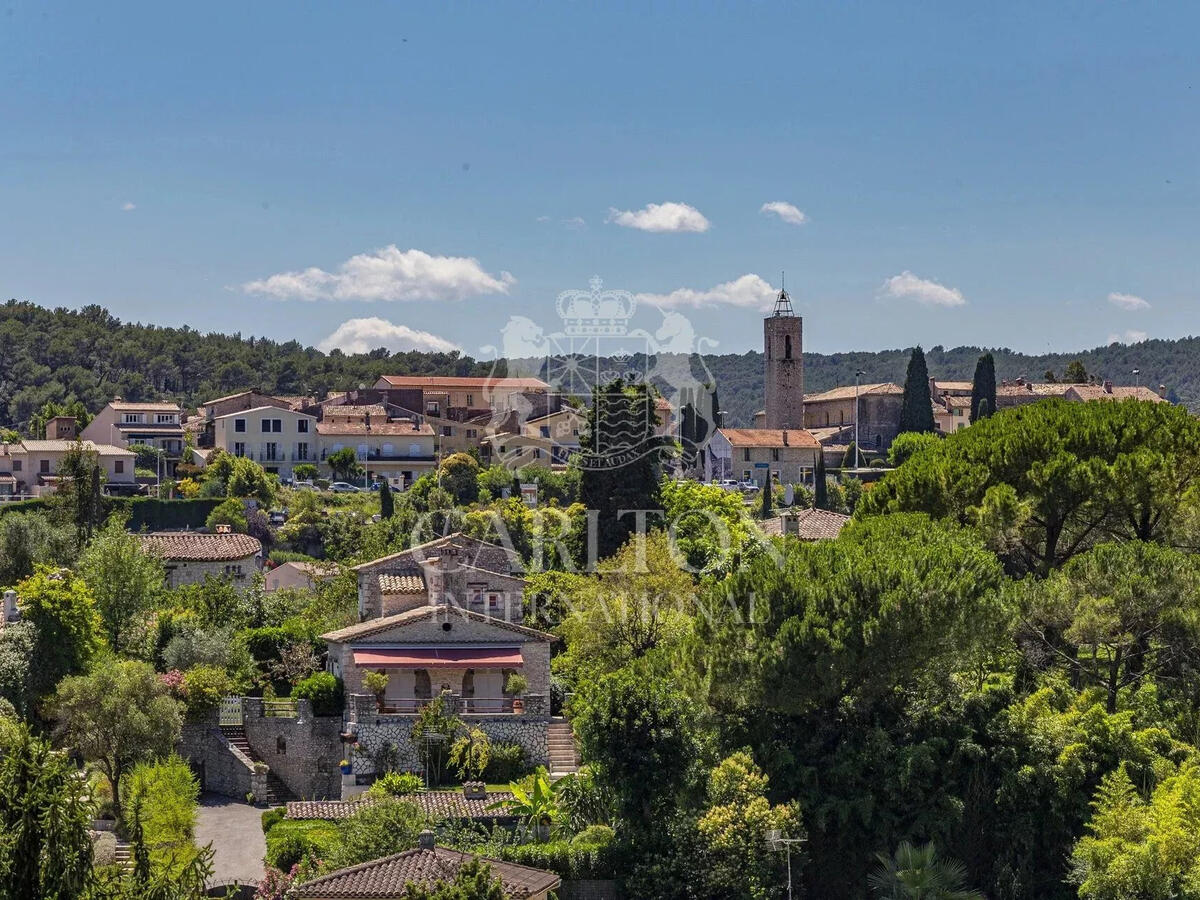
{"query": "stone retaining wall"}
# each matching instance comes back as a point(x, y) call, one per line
point(304, 750)
point(588, 890)
point(222, 768)
point(374, 734)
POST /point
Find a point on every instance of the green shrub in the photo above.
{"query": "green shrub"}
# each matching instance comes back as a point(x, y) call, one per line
point(272, 817)
point(506, 764)
point(470, 754)
point(323, 691)
point(396, 784)
point(594, 836)
point(232, 512)
point(291, 840)
point(565, 860)
point(203, 689)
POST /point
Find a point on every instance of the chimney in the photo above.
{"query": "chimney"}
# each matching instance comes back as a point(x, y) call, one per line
point(425, 840)
point(1162, 391)
point(224, 528)
point(475, 790)
point(1029, 385)
point(933, 388)
point(785, 439)
point(10, 606)
point(1021, 382)
point(1108, 387)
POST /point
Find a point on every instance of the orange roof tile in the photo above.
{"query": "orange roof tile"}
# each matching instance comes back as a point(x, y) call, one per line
point(770, 437)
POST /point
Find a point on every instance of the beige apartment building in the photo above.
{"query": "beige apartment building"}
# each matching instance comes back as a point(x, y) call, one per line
point(398, 451)
point(275, 438)
point(31, 468)
point(153, 424)
point(788, 456)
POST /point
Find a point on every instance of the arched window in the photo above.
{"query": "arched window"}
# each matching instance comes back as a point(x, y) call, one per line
point(422, 687)
point(787, 346)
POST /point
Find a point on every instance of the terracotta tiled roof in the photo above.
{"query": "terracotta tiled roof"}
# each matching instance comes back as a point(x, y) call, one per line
point(456, 383)
point(960, 402)
point(812, 524)
point(402, 583)
point(1099, 392)
point(390, 876)
point(386, 623)
point(193, 546)
point(847, 393)
point(473, 553)
point(436, 804)
point(361, 428)
point(954, 385)
point(1033, 389)
point(770, 437)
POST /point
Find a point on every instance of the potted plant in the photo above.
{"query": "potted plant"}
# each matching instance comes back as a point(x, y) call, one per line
point(518, 684)
point(345, 767)
point(376, 683)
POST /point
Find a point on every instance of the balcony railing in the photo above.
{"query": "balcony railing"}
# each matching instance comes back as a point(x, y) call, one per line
point(367, 706)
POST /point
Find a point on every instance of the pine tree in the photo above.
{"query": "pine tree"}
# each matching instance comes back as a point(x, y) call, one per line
point(983, 388)
point(916, 413)
point(387, 506)
point(820, 488)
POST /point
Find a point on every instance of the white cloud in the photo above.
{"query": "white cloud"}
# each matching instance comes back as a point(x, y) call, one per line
point(660, 217)
point(387, 274)
point(1129, 337)
point(786, 211)
point(575, 222)
point(543, 218)
point(365, 335)
point(925, 291)
point(1129, 302)
point(748, 292)
point(128, 207)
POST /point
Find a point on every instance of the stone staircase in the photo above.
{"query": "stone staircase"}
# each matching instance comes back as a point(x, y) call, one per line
point(564, 755)
point(123, 856)
point(277, 793)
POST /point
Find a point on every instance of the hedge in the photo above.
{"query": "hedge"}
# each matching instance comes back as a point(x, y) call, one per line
point(289, 841)
point(564, 860)
point(37, 504)
point(323, 691)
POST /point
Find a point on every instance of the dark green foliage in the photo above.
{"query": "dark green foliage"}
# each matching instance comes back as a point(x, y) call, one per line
point(908, 445)
point(44, 818)
point(849, 458)
point(916, 411)
point(506, 764)
point(344, 464)
point(324, 691)
point(272, 817)
point(567, 859)
point(1047, 480)
point(1075, 373)
point(983, 388)
point(387, 506)
point(289, 841)
point(621, 461)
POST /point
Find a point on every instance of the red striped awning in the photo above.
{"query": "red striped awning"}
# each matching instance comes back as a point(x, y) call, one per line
point(439, 657)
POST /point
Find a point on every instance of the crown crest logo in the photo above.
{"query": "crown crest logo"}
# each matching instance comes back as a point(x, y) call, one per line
point(596, 311)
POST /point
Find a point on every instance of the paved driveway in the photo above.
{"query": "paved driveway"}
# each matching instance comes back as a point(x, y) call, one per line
point(235, 831)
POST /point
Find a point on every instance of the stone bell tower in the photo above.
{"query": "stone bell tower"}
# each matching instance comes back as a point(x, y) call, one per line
point(783, 361)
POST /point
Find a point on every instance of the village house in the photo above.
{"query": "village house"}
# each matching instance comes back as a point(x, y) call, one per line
point(191, 556)
point(122, 423)
point(202, 424)
point(396, 450)
point(547, 436)
point(275, 438)
point(786, 456)
point(443, 620)
point(460, 410)
point(1021, 392)
point(806, 524)
point(298, 576)
point(30, 468)
point(878, 412)
point(426, 866)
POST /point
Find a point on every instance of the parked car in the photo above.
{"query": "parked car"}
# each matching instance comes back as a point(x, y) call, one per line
point(748, 486)
point(344, 487)
point(729, 484)
point(304, 485)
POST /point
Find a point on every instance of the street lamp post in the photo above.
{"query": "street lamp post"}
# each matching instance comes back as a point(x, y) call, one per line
point(857, 375)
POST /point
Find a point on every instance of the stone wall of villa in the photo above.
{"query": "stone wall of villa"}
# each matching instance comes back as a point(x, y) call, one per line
point(375, 734)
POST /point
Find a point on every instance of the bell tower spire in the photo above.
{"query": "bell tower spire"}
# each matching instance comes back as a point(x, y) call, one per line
point(783, 364)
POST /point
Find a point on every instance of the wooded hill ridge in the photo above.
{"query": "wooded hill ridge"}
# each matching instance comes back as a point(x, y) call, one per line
point(89, 355)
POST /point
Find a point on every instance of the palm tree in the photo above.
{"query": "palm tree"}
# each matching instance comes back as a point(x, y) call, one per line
point(533, 802)
point(917, 873)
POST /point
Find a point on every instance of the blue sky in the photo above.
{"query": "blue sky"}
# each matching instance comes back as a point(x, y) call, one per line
point(1018, 174)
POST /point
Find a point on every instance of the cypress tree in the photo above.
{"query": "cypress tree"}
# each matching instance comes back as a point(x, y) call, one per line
point(387, 506)
point(983, 388)
point(768, 501)
point(820, 489)
point(916, 413)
